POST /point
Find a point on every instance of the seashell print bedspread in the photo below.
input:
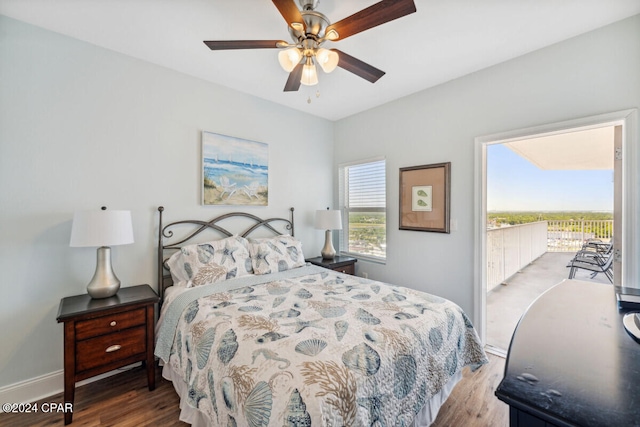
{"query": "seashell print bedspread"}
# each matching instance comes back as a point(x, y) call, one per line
point(314, 347)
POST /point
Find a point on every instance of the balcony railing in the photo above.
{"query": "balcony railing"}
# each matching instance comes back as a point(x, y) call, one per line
point(569, 236)
point(509, 249)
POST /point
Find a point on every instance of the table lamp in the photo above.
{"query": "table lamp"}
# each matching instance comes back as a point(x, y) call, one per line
point(328, 220)
point(102, 228)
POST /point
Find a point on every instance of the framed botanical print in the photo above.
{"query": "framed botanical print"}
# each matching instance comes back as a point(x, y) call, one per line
point(425, 197)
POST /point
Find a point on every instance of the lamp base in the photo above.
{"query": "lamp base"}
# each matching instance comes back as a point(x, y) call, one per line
point(104, 283)
point(328, 252)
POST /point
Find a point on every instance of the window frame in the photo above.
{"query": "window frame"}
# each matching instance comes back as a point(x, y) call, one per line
point(343, 243)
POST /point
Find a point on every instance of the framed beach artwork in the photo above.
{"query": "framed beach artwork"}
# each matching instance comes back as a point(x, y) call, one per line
point(425, 197)
point(235, 171)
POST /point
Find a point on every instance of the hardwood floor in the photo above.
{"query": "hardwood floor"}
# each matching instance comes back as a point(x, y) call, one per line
point(123, 400)
point(473, 402)
point(120, 400)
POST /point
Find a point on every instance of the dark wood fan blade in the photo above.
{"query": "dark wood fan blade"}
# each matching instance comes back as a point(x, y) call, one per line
point(372, 16)
point(289, 11)
point(243, 44)
point(293, 82)
point(357, 67)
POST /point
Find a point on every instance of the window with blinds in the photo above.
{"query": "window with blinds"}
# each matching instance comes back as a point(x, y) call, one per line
point(363, 202)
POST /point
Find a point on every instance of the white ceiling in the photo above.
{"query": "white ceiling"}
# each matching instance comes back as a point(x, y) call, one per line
point(443, 40)
point(588, 149)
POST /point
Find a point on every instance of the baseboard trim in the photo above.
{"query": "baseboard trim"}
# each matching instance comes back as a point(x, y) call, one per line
point(495, 351)
point(33, 389)
point(47, 385)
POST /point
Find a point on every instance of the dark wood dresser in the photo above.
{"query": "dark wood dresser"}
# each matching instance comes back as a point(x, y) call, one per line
point(101, 335)
point(343, 264)
point(571, 362)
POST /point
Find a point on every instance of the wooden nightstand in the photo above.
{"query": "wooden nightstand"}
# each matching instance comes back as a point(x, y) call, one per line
point(101, 335)
point(344, 264)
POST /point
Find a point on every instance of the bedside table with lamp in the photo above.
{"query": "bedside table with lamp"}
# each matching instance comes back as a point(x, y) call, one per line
point(108, 327)
point(329, 220)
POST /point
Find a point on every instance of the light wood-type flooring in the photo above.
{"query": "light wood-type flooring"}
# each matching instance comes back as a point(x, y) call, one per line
point(123, 400)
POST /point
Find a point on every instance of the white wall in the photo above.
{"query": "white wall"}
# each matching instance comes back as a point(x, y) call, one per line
point(598, 72)
point(82, 127)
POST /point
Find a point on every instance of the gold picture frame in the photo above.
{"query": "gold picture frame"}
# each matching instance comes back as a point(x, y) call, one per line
point(425, 197)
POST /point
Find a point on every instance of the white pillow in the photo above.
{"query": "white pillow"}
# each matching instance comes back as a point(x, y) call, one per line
point(275, 254)
point(211, 262)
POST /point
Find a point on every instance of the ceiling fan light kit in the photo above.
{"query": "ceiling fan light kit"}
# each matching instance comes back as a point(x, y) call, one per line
point(309, 73)
point(289, 58)
point(309, 29)
point(328, 59)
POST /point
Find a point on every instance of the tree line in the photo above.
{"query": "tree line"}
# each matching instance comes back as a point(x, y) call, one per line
point(514, 218)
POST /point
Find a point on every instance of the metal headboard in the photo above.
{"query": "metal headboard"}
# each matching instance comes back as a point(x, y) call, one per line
point(166, 232)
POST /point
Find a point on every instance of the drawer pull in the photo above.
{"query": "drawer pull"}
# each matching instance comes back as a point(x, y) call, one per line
point(113, 348)
point(113, 323)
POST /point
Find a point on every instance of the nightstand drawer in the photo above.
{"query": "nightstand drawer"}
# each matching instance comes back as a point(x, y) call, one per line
point(346, 269)
point(110, 348)
point(110, 323)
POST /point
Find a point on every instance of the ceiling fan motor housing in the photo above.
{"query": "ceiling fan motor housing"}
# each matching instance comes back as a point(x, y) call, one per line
point(308, 4)
point(315, 25)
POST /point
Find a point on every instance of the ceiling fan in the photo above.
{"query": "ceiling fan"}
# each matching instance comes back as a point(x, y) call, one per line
point(309, 30)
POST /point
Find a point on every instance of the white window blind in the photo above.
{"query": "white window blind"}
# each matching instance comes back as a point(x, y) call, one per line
point(363, 201)
point(367, 185)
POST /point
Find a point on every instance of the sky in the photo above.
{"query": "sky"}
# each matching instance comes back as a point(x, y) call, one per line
point(237, 149)
point(514, 184)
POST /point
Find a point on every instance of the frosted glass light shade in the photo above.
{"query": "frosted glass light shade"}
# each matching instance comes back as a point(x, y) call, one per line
point(309, 75)
point(327, 59)
point(101, 228)
point(328, 220)
point(289, 58)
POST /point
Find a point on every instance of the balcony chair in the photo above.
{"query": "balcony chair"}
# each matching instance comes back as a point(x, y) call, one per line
point(593, 261)
point(598, 246)
point(593, 249)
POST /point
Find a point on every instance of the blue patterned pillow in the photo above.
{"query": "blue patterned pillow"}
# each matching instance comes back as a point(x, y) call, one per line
point(211, 262)
point(276, 254)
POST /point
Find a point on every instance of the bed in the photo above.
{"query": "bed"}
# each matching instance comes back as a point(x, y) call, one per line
point(252, 335)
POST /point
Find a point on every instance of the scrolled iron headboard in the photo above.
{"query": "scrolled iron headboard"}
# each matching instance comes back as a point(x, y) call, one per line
point(166, 232)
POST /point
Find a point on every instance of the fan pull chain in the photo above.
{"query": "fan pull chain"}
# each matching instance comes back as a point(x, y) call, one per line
point(309, 97)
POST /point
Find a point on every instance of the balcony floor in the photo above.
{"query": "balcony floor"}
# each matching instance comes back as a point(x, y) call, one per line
point(507, 303)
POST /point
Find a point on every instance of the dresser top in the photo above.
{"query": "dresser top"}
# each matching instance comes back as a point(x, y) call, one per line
point(83, 304)
point(571, 359)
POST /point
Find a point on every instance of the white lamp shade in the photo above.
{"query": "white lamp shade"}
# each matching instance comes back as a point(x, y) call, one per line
point(327, 59)
point(101, 228)
point(309, 75)
point(289, 58)
point(328, 220)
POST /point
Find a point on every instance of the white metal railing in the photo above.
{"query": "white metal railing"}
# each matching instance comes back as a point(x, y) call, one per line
point(569, 236)
point(509, 249)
